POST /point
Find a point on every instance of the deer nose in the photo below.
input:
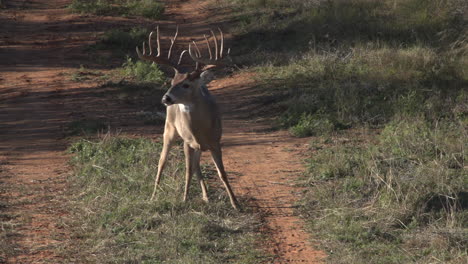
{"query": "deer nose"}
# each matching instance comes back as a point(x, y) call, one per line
point(167, 100)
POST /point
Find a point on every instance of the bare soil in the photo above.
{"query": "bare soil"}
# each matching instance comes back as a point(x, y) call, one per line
point(41, 46)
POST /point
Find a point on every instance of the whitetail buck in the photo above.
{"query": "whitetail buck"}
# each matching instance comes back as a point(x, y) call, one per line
point(192, 112)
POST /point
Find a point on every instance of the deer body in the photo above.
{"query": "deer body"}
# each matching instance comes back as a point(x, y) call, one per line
point(198, 123)
point(192, 113)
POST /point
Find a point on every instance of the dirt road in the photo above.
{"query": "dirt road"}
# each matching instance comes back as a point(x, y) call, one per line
point(41, 45)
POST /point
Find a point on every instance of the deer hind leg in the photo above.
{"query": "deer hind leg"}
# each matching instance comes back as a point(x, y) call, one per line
point(218, 160)
point(169, 135)
point(197, 170)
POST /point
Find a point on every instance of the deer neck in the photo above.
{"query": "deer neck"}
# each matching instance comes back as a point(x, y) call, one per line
point(200, 100)
point(186, 108)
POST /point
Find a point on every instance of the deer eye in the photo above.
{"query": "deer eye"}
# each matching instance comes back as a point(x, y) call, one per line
point(185, 86)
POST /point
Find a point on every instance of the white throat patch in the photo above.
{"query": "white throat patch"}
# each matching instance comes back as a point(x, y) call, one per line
point(185, 108)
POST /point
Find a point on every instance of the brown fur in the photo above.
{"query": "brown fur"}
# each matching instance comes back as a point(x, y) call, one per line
point(195, 117)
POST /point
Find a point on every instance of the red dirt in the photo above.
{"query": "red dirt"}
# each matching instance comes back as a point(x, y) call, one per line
point(42, 44)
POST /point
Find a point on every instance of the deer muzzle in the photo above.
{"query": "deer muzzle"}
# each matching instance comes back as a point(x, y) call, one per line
point(167, 100)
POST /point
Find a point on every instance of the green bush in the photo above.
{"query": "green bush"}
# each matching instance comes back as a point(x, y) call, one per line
point(143, 71)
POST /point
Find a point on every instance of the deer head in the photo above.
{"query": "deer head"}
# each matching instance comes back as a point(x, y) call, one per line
point(185, 85)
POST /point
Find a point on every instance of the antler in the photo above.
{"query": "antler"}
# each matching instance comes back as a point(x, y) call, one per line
point(158, 58)
point(218, 60)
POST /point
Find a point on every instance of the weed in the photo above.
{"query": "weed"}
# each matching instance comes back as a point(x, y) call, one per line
point(116, 222)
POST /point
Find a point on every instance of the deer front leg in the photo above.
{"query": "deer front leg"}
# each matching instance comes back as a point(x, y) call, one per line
point(169, 135)
point(197, 169)
point(218, 160)
point(188, 168)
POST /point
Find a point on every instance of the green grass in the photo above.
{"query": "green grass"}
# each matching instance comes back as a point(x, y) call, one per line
point(397, 68)
point(144, 8)
point(403, 199)
point(114, 221)
point(338, 64)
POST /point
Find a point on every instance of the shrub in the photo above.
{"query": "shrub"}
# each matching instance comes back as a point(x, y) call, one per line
point(143, 71)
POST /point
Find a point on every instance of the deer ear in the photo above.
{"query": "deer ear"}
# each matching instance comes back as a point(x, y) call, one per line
point(206, 77)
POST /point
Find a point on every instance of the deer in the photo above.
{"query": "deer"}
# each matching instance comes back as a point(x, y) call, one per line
point(191, 111)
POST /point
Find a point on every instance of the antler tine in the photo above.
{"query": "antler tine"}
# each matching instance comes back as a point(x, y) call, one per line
point(197, 49)
point(216, 44)
point(144, 48)
point(208, 45)
point(222, 43)
point(158, 42)
point(149, 44)
point(194, 57)
point(219, 58)
point(162, 60)
point(181, 55)
point(173, 40)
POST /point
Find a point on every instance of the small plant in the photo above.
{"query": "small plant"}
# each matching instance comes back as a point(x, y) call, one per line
point(143, 71)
